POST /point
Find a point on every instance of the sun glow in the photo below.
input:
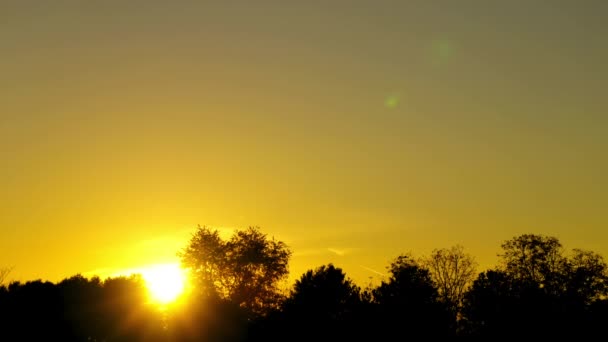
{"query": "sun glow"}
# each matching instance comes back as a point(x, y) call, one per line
point(165, 282)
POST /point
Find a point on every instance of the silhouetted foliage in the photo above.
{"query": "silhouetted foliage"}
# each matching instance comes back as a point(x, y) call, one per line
point(245, 270)
point(323, 302)
point(408, 301)
point(82, 307)
point(452, 271)
point(79, 309)
point(585, 276)
point(534, 259)
point(537, 292)
point(32, 311)
point(126, 313)
point(205, 318)
point(489, 305)
point(539, 261)
point(325, 291)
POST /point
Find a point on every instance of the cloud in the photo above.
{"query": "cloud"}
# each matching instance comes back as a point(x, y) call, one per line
point(373, 271)
point(308, 252)
point(339, 252)
point(316, 251)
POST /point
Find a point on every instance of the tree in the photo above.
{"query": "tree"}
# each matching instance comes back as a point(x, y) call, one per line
point(408, 284)
point(492, 305)
point(82, 303)
point(586, 276)
point(533, 258)
point(453, 271)
point(246, 269)
point(408, 302)
point(203, 318)
point(125, 314)
point(325, 294)
point(323, 304)
point(540, 261)
point(538, 291)
point(32, 312)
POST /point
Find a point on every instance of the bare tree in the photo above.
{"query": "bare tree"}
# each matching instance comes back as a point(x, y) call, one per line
point(453, 271)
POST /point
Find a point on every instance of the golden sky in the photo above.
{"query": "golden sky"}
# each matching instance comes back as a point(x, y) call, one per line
point(352, 130)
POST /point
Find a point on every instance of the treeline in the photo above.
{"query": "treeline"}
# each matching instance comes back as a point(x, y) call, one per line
point(78, 309)
point(538, 290)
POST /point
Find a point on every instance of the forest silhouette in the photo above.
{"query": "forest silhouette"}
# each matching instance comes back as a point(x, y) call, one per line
point(537, 290)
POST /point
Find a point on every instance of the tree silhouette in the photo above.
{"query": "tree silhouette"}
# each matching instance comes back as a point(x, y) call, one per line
point(490, 306)
point(32, 311)
point(205, 318)
point(540, 262)
point(533, 258)
point(245, 269)
point(126, 314)
point(324, 292)
point(452, 271)
point(408, 302)
point(82, 299)
point(586, 276)
point(537, 291)
point(79, 309)
point(323, 302)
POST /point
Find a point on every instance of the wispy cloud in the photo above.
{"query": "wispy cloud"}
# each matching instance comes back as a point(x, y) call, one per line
point(316, 251)
point(373, 271)
point(339, 252)
point(308, 252)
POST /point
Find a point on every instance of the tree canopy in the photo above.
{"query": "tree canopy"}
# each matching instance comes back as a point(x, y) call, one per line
point(324, 293)
point(409, 300)
point(537, 290)
point(245, 269)
point(532, 258)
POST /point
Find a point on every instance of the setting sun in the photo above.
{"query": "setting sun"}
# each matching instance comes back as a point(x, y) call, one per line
point(165, 282)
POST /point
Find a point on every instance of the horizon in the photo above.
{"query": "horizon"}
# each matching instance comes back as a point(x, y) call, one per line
point(378, 275)
point(353, 133)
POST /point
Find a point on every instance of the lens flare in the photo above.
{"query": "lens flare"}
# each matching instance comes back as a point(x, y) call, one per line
point(391, 101)
point(442, 50)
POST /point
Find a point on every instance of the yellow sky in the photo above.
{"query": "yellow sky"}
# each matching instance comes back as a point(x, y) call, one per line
point(354, 131)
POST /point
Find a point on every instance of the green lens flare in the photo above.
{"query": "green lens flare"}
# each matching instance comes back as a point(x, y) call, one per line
point(443, 50)
point(391, 101)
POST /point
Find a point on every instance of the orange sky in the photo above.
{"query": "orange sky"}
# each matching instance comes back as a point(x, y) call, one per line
point(353, 131)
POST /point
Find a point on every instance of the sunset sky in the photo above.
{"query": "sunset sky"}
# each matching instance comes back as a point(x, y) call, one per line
point(352, 130)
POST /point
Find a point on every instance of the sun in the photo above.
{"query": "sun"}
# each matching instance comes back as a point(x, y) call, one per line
point(165, 282)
